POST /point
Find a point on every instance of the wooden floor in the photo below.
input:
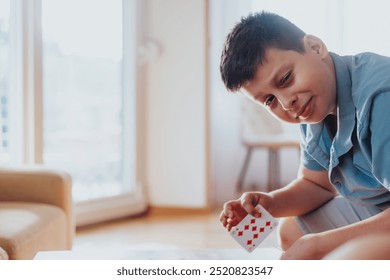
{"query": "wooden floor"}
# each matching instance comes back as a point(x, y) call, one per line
point(119, 238)
point(188, 232)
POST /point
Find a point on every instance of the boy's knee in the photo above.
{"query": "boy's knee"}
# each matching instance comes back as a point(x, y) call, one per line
point(289, 232)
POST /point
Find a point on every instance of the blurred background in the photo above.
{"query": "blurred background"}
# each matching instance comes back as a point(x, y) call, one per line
point(126, 96)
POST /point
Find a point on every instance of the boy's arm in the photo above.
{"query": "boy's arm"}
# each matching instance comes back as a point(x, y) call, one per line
point(310, 190)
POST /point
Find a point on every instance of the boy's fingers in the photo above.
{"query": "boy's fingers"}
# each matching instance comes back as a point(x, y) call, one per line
point(228, 217)
point(228, 223)
point(232, 223)
point(229, 208)
point(247, 202)
point(223, 219)
point(227, 214)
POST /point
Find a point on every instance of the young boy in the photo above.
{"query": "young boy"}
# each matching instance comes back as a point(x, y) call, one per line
point(342, 104)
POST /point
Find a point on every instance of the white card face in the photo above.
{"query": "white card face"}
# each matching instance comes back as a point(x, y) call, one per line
point(251, 231)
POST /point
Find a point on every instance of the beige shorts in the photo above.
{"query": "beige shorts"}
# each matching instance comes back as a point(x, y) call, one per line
point(336, 213)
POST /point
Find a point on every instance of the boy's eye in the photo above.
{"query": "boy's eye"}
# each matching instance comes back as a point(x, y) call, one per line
point(268, 100)
point(285, 78)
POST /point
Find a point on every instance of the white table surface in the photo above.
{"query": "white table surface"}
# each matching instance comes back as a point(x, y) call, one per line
point(158, 254)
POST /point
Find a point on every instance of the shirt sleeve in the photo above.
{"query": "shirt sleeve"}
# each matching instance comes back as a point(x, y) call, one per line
point(380, 138)
point(308, 162)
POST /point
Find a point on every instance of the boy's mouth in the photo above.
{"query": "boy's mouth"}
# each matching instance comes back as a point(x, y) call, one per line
point(305, 111)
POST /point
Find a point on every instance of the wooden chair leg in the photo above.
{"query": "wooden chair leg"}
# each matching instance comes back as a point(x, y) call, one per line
point(244, 169)
point(273, 170)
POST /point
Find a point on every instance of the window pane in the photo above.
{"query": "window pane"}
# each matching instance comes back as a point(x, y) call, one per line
point(82, 78)
point(4, 80)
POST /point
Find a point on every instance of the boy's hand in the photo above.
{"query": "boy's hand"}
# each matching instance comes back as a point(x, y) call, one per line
point(236, 210)
point(232, 214)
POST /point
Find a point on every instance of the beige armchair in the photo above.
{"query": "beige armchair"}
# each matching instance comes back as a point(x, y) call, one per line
point(36, 212)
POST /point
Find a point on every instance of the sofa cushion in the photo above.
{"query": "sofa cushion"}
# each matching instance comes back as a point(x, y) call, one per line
point(26, 228)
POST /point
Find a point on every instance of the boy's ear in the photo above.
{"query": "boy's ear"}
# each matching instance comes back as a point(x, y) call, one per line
point(313, 43)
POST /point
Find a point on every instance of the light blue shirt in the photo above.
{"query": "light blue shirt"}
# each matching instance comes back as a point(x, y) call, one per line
point(358, 157)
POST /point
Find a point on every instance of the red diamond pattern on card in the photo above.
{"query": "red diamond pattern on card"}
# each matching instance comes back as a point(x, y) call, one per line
point(262, 229)
point(251, 231)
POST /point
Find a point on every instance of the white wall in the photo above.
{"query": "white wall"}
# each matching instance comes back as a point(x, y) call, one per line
point(176, 126)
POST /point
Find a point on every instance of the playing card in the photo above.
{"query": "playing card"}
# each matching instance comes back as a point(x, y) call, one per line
point(251, 231)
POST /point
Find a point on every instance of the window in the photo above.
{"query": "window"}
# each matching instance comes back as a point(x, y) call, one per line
point(82, 95)
point(4, 80)
point(71, 97)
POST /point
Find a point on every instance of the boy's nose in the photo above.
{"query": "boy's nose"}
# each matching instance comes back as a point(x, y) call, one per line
point(287, 101)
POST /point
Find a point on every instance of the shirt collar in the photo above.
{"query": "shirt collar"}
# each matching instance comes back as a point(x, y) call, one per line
point(345, 105)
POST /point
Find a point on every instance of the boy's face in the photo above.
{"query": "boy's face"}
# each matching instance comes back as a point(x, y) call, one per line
point(296, 88)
